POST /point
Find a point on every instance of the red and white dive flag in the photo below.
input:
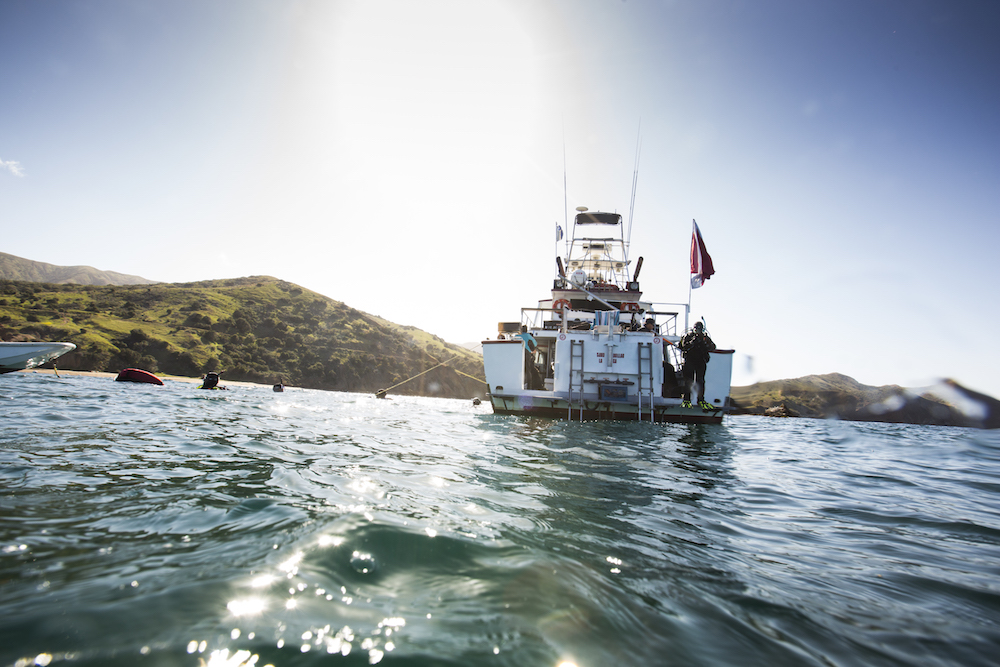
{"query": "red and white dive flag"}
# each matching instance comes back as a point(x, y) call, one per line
point(701, 262)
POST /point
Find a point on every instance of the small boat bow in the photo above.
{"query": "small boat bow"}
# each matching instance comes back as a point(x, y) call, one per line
point(18, 356)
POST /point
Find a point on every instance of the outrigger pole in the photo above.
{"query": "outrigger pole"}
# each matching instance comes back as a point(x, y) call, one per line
point(635, 181)
point(565, 200)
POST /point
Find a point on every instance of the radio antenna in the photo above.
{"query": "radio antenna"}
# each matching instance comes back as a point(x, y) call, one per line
point(565, 193)
point(635, 180)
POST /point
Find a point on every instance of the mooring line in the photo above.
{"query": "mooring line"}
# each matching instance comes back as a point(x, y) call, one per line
point(382, 392)
point(417, 375)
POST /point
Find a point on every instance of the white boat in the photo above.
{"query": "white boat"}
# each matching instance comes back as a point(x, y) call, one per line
point(20, 356)
point(587, 352)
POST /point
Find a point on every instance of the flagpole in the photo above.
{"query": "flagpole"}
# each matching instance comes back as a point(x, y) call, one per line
point(687, 313)
point(565, 197)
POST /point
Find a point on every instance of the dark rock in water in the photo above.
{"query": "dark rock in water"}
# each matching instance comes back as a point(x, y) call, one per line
point(787, 409)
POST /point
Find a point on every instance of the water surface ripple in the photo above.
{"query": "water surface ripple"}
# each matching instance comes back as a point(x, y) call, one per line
point(144, 525)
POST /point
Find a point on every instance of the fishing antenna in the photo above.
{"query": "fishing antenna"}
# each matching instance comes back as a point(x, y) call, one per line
point(565, 193)
point(635, 180)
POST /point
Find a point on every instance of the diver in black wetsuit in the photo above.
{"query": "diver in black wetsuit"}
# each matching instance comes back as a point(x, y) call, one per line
point(210, 381)
point(696, 346)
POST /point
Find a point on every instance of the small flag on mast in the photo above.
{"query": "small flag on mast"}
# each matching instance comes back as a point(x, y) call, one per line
point(559, 232)
point(701, 262)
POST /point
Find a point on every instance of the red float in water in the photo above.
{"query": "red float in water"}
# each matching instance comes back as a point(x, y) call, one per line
point(137, 375)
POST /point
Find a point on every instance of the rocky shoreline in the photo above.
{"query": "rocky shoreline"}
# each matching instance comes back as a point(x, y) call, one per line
point(112, 376)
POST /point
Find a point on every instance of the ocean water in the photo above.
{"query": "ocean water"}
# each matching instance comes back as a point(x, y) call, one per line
point(144, 525)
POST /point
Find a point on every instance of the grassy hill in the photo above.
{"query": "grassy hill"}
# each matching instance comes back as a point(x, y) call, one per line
point(256, 329)
point(812, 395)
point(18, 268)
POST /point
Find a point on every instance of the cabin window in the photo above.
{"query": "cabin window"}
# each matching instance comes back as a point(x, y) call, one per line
point(545, 355)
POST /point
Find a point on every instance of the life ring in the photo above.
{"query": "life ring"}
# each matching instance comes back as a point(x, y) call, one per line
point(629, 306)
point(559, 304)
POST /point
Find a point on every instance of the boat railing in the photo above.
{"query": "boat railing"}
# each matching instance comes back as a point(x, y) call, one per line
point(533, 318)
point(666, 316)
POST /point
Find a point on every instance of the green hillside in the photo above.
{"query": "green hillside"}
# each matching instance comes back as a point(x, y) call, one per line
point(812, 395)
point(256, 329)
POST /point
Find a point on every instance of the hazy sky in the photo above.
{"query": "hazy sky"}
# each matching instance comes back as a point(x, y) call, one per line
point(406, 157)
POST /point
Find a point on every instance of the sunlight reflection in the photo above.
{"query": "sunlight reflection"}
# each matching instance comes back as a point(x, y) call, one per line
point(367, 486)
point(374, 656)
point(241, 658)
point(246, 606)
point(330, 540)
point(291, 566)
point(337, 643)
point(362, 563)
point(41, 659)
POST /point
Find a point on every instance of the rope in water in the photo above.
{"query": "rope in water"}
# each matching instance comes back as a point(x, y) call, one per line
point(417, 375)
point(383, 391)
point(470, 376)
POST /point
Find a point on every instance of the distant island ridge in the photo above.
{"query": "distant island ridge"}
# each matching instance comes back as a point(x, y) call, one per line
point(261, 329)
point(18, 268)
point(836, 396)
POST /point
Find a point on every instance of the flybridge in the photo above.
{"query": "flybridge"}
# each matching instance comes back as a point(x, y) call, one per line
point(596, 258)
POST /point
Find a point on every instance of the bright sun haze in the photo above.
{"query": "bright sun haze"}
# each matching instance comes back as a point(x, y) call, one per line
point(407, 158)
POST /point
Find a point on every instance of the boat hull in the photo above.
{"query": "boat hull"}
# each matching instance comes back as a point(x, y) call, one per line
point(556, 408)
point(21, 356)
point(594, 376)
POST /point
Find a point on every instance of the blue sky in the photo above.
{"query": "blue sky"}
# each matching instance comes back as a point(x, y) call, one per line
point(842, 159)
